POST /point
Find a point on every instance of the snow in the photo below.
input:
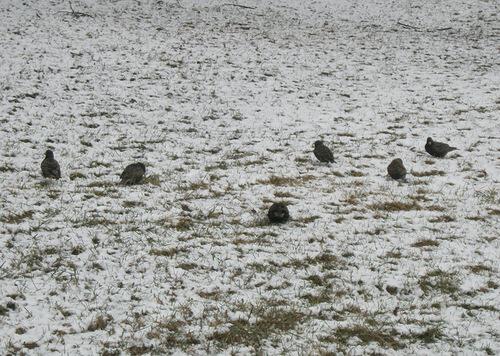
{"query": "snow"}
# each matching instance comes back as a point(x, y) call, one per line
point(223, 104)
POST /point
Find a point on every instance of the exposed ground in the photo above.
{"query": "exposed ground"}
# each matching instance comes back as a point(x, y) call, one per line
point(223, 103)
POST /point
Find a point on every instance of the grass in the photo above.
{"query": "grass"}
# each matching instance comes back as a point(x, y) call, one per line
point(218, 166)
point(475, 218)
point(374, 331)
point(426, 243)
point(6, 168)
point(101, 184)
point(195, 186)
point(269, 320)
point(214, 295)
point(391, 290)
point(286, 181)
point(394, 254)
point(77, 175)
point(153, 179)
point(284, 195)
point(100, 322)
point(442, 219)
point(3, 310)
point(488, 196)
point(469, 306)
point(326, 260)
point(307, 219)
point(429, 335)
point(354, 173)
point(169, 252)
point(102, 193)
point(353, 198)
point(187, 266)
point(76, 250)
point(86, 143)
point(324, 296)
point(346, 134)
point(53, 194)
point(439, 281)
point(255, 162)
point(316, 280)
point(366, 335)
point(30, 345)
point(96, 164)
point(132, 204)
point(420, 197)
point(374, 232)
point(183, 224)
point(393, 206)
point(16, 218)
point(94, 222)
point(494, 212)
point(492, 284)
point(20, 331)
point(169, 333)
point(430, 173)
point(480, 268)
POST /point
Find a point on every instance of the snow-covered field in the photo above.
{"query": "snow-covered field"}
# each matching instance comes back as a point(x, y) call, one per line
point(223, 103)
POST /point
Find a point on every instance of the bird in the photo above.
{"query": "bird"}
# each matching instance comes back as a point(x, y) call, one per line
point(133, 173)
point(278, 213)
point(50, 167)
point(322, 153)
point(438, 149)
point(396, 169)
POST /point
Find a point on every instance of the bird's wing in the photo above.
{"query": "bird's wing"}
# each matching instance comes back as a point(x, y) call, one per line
point(138, 173)
point(444, 146)
point(52, 168)
point(125, 173)
point(55, 169)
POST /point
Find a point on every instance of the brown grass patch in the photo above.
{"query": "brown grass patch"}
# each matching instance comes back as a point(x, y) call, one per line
point(17, 218)
point(442, 219)
point(287, 181)
point(392, 206)
point(425, 243)
point(431, 173)
point(270, 320)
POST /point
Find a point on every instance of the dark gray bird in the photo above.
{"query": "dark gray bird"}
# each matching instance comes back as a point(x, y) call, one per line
point(438, 149)
point(50, 167)
point(396, 169)
point(322, 153)
point(278, 213)
point(133, 173)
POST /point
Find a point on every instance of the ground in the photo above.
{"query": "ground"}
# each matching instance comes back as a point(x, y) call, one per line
point(223, 104)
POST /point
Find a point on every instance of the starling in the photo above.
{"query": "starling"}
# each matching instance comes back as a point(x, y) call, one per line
point(133, 173)
point(50, 167)
point(322, 153)
point(438, 149)
point(278, 213)
point(396, 169)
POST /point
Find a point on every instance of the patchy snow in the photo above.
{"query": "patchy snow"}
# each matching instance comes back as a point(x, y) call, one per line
point(223, 103)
